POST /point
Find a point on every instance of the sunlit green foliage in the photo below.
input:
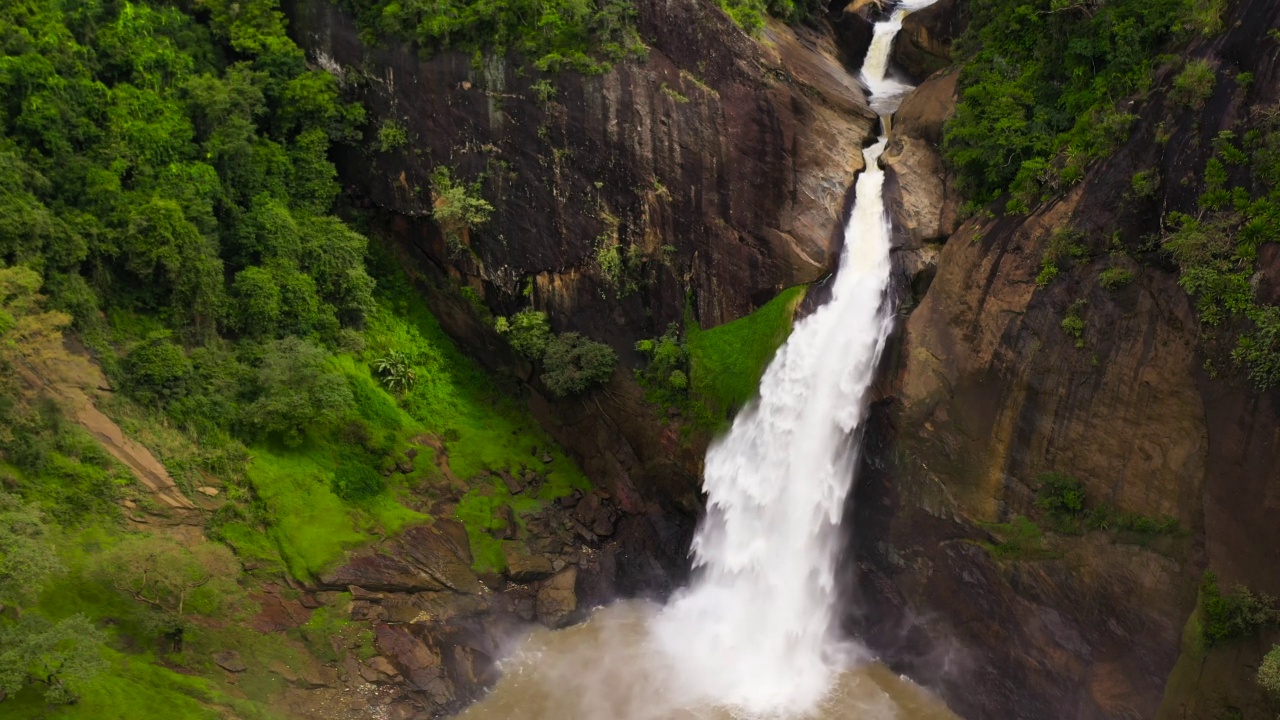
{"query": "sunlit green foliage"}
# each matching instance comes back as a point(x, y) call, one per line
point(135, 153)
point(457, 207)
point(528, 331)
point(1193, 85)
point(1269, 672)
point(1240, 613)
point(60, 658)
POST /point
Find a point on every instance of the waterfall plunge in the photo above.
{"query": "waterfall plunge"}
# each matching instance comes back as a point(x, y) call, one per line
point(752, 636)
point(753, 631)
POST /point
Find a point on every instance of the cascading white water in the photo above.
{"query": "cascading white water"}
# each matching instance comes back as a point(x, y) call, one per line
point(752, 637)
point(753, 631)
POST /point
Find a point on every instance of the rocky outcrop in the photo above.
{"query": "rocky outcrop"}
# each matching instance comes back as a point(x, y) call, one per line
point(962, 579)
point(439, 626)
point(923, 47)
point(717, 166)
point(919, 192)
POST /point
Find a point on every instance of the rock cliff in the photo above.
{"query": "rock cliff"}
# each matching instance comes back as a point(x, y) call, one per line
point(961, 578)
point(716, 169)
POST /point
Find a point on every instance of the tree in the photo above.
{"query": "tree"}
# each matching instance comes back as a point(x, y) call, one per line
point(30, 342)
point(295, 391)
point(574, 363)
point(26, 558)
point(158, 571)
point(457, 208)
point(62, 656)
point(157, 370)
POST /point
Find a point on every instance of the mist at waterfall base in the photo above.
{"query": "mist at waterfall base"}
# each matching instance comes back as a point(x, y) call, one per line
point(751, 637)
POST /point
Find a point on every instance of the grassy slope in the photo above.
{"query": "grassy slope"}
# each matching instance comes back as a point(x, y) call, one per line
point(308, 527)
point(727, 362)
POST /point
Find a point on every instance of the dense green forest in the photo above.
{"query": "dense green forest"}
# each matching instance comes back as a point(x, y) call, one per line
point(583, 35)
point(1048, 87)
point(1043, 84)
point(166, 196)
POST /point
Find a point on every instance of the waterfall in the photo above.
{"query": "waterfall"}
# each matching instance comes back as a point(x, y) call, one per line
point(753, 632)
point(752, 636)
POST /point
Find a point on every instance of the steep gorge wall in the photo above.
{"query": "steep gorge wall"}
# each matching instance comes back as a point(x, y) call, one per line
point(987, 391)
point(718, 165)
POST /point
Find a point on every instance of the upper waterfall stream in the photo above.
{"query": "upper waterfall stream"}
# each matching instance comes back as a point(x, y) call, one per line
point(752, 636)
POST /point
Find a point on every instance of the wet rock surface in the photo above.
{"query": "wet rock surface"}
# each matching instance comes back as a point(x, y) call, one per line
point(923, 47)
point(676, 157)
point(919, 191)
point(985, 391)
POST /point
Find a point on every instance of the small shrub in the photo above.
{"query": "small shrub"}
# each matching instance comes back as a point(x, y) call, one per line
point(678, 380)
point(544, 90)
point(457, 207)
point(1060, 495)
point(1115, 277)
point(1194, 85)
point(1269, 672)
point(1145, 184)
point(396, 372)
point(1073, 324)
point(527, 331)
point(609, 258)
point(573, 364)
point(1048, 273)
point(1205, 16)
point(392, 135)
point(1240, 614)
point(666, 377)
point(1063, 247)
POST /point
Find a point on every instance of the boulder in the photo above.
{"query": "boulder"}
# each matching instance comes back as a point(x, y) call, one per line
point(432, 557)
point(525, 567)
point(558, 598)
point(919, 192)
point(923, 47)
point(230, 661)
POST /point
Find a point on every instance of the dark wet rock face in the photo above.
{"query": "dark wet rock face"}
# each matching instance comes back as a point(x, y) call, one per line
point(439, 626)
point(718, 165)
point(923, 47)
point(985, 391)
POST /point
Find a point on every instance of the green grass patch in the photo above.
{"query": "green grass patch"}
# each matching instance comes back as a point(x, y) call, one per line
point(482, 428)
point(483, 512)
point(455, 399)
point(131, 688)
point(312, 527)
point(1018, 539)
point(134, 685)
point(727, 362)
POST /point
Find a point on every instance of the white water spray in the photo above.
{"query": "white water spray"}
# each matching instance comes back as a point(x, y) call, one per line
point(754, 631)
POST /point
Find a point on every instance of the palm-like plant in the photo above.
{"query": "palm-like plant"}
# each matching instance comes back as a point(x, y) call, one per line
point(396, 371)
